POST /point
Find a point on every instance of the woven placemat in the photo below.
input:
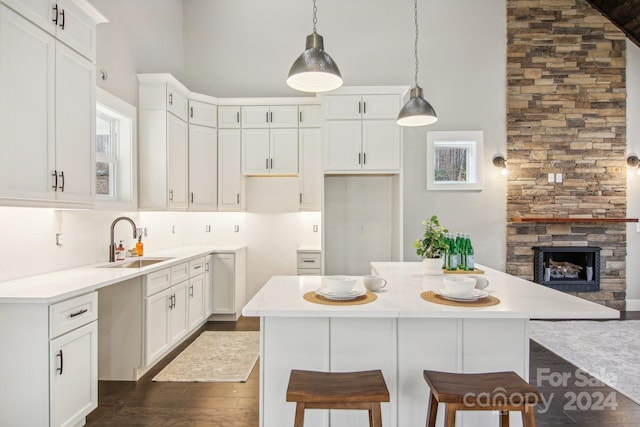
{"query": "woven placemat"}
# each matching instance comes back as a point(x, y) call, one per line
point(474, 271)
point(319, 299)
point(483, 302)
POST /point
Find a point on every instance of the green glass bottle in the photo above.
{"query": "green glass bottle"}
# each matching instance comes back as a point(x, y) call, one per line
point(453, 255)
point(470, 254)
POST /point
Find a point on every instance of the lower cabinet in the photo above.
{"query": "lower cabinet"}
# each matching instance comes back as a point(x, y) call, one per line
point(223, 283)
point(195, 298)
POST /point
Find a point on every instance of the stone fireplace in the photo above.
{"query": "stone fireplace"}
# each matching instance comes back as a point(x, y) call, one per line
point(566, 114)
point(567, 268)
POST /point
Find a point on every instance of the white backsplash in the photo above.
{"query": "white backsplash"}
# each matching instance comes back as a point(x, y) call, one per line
point(29, 238)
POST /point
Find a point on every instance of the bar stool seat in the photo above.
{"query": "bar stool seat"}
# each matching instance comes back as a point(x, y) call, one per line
point(494, 391)
point(338, 390)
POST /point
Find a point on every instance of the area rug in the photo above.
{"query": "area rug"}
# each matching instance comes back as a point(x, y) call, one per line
point(215, 356)
point(608, 350)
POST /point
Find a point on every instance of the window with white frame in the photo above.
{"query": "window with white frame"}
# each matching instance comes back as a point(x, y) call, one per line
point(115, 151)
point(454, 160)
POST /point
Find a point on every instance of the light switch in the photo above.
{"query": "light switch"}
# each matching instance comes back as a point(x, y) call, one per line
point(558, 177)
point(551, 177)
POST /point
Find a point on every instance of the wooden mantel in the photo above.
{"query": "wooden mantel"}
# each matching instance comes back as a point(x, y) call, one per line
point(574, 220)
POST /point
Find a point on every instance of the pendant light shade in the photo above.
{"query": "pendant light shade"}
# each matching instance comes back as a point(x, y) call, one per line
point(417, 111)
point(314, 70)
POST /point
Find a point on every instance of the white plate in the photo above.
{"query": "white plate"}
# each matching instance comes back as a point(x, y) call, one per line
point(339, 297)
point(475, 294)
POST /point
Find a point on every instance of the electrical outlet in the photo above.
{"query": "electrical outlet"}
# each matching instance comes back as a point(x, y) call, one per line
point(59, 241)
point(558, 177)
point(207, 228)
point(173, 229)
point(236, 228)
point(315, 228)
point(551, 177)
point(146, 233)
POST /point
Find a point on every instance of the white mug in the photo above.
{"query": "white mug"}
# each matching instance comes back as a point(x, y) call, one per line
point(374, 283)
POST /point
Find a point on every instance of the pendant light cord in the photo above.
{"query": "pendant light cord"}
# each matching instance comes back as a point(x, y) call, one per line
point(415, 46)
point(315, 19)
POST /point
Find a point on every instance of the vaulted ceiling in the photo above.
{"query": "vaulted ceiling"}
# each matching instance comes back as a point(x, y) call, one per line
point(624, 13)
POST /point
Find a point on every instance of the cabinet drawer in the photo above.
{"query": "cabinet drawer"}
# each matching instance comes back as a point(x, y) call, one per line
point(157, 281)
point(309, 260)
point(72, 313)
point(179, 273)
point(308, 272)
point(196, 267)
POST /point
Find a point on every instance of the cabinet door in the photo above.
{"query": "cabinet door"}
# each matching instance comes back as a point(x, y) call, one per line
point(255, 151)
point(27, 128)
point(178, 312)
point(283, 116)
point(73, 375)
point(223, 283)
point(203, 168)
point(342, 107)
point(310, 162)
point(40, 12)
point(201, 113)
point(255, 116)
point(380, 106)
point(283, 151)
point(381, 145)
point(177, 162)
point(207, 286)
point(157, 325)
point(229, 116)
point(310, 116)
point(177, 102)
point(75, 125)
point(76, 28)
point(229, 169)
point(343, 146)
point(196, 296)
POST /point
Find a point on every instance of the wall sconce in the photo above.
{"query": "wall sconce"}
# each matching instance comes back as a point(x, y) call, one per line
point(634, 162)
point(500, 162)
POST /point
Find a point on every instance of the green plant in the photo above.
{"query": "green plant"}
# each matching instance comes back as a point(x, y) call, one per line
point(433, 243)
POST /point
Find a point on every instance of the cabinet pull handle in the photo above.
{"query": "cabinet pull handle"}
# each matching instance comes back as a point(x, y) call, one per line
point(364, 157)
point(238, 198)
point(170, 98)
point(171, 195)
point(192, 197)
point(191, 291)
point(78, 313)
point(271, 117)
point(359, 158)
point(359, 107)
point(55, 184)
point(308, 260)
point(61, 356)
point(266, 163)
point(191, 112)
point(238, 117)
point(271, 163)
point(55, 14)
point(62, 23)
point(197, 267)
point(62, 177)
point(170, 302)
point(364, 110)
point(300, 197)
point(267, 116)
point(206, 266)
point(300, 116)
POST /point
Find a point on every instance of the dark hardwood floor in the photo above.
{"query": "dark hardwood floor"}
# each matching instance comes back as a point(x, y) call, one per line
point(148, 403)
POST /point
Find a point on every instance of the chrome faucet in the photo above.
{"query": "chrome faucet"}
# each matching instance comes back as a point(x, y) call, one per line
point(112, 245)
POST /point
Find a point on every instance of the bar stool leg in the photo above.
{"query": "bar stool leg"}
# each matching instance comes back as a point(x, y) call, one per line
point(504, 418)
point(529, 416)
point(450, 416)
point(432, 412)
point(376, 415)
point(299, 420)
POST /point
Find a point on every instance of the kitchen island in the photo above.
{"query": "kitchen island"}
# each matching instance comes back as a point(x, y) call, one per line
point(401, 334)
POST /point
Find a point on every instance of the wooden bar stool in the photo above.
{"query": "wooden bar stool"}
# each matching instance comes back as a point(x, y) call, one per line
point(338, 390)
point(495, 391)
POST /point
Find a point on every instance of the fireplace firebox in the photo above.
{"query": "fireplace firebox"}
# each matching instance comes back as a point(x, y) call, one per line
point(567, 268)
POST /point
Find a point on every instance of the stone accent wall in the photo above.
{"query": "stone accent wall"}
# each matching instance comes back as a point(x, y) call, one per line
point(566, 113)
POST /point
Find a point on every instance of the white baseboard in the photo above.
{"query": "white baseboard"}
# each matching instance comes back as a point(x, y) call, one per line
point(633, 305)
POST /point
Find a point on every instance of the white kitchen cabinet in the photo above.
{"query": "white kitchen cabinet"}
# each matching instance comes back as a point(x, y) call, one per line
point(309, 262)
point(157, 320)
point(361, 134)
point(48, 117)
point(269, 151)
point(203, 168)
point(49, 364)
point(163, 143)
point(203, 113)
point(229, 117)
point(228, 284)
point(230, 194)
point(178, 312)
point(310, 162)
point(275, 116)
point(195, 296)
point(70, 21)
point(309, 116)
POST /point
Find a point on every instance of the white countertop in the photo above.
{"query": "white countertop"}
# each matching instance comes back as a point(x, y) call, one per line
point(60, 285)
point(282, 296)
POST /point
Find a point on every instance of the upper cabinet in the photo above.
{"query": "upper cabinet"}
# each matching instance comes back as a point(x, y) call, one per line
point(229, 117)
point(47, 120)
point(361, 134)
point(163, 143)
point(203, 155)
point(265, 117)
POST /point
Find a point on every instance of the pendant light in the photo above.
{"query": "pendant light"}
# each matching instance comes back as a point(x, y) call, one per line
point(314, 70)
point(417, 111)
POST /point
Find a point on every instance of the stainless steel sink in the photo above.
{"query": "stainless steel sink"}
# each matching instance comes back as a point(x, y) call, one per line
point(138, 263)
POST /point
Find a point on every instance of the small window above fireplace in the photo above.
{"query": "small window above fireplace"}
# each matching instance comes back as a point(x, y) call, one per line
point(567, 268)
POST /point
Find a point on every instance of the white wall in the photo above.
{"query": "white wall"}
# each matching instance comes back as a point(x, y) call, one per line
point(633, 181)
